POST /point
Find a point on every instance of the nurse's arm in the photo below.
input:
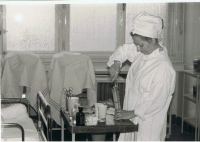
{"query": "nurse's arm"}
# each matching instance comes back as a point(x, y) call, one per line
point(123, 53)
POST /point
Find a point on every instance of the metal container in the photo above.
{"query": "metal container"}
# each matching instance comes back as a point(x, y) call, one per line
point(196, 64)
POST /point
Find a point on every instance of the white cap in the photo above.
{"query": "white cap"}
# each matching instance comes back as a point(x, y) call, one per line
point(147, 25)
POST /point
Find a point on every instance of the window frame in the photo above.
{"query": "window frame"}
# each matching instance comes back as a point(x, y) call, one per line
point(96, 56)
point(1, 28)
point(42, 53)
point(175, 36)
point(176, 32)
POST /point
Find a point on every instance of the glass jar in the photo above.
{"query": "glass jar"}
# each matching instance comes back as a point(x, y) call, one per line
point(80, 117)
point(196, 65)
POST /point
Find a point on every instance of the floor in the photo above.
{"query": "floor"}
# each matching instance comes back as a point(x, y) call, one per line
point(178, 136)
point(175, 136)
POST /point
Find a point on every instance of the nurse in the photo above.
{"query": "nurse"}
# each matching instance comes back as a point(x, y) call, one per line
point(150, 80)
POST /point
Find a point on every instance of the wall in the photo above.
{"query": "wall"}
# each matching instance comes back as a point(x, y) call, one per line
point(192, 32)
point(192, 49)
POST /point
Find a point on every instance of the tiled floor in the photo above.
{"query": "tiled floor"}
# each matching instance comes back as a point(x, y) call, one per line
point(175, 136)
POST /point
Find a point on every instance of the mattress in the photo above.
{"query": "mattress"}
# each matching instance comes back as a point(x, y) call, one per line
point(14, 134)
point(18, 114)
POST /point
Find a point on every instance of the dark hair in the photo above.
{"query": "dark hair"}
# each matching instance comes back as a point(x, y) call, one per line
point(148, 39)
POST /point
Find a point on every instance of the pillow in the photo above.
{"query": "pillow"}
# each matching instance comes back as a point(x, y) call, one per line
point(14, 111)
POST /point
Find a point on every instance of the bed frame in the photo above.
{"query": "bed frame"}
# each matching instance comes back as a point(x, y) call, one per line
point(44, 116)
point(9, 101)
point(24, 101)
point(14, 125)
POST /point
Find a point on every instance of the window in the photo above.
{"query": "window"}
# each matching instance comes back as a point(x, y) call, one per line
point(93, 27)
point(157, 9)
point(173, 31)
point(30, 27)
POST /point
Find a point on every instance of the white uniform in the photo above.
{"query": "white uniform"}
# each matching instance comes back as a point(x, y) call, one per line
point(150, 84)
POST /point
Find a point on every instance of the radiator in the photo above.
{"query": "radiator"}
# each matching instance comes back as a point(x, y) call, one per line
point(104, 92)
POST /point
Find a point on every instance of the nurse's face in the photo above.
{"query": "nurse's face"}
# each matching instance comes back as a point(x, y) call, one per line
point(142, 45)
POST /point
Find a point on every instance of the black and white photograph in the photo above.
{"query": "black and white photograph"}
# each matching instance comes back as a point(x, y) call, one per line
point(97, 70)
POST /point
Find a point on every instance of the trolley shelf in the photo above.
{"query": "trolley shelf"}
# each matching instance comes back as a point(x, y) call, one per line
point(190, 97)
point(191, 121)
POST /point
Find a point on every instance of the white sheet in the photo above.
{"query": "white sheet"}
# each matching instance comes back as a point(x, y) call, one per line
point(17, 113)
point(23, 69)
point(70, 70)
point(14, 134)
point(14, 111)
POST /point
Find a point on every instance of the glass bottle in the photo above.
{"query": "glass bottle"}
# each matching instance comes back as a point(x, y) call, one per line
point(80, 117)
point(74, 111)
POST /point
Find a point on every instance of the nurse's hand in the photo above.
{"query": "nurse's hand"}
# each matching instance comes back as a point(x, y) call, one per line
point(114, 70)
point(124, 114)
point(113, 73)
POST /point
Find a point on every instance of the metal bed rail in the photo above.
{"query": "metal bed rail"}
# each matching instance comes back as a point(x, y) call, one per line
point(17, 100)
point(44, 117)
point(14, 125)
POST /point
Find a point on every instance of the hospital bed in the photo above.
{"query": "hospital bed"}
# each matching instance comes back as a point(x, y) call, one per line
point(17, 115)
point(17, 125)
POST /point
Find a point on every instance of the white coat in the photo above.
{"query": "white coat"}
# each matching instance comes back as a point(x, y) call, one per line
point(150, 84)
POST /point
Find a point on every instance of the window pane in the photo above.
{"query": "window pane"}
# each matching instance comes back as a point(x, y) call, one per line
point(157, 9)
point(93, 27)
point(30, 27)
